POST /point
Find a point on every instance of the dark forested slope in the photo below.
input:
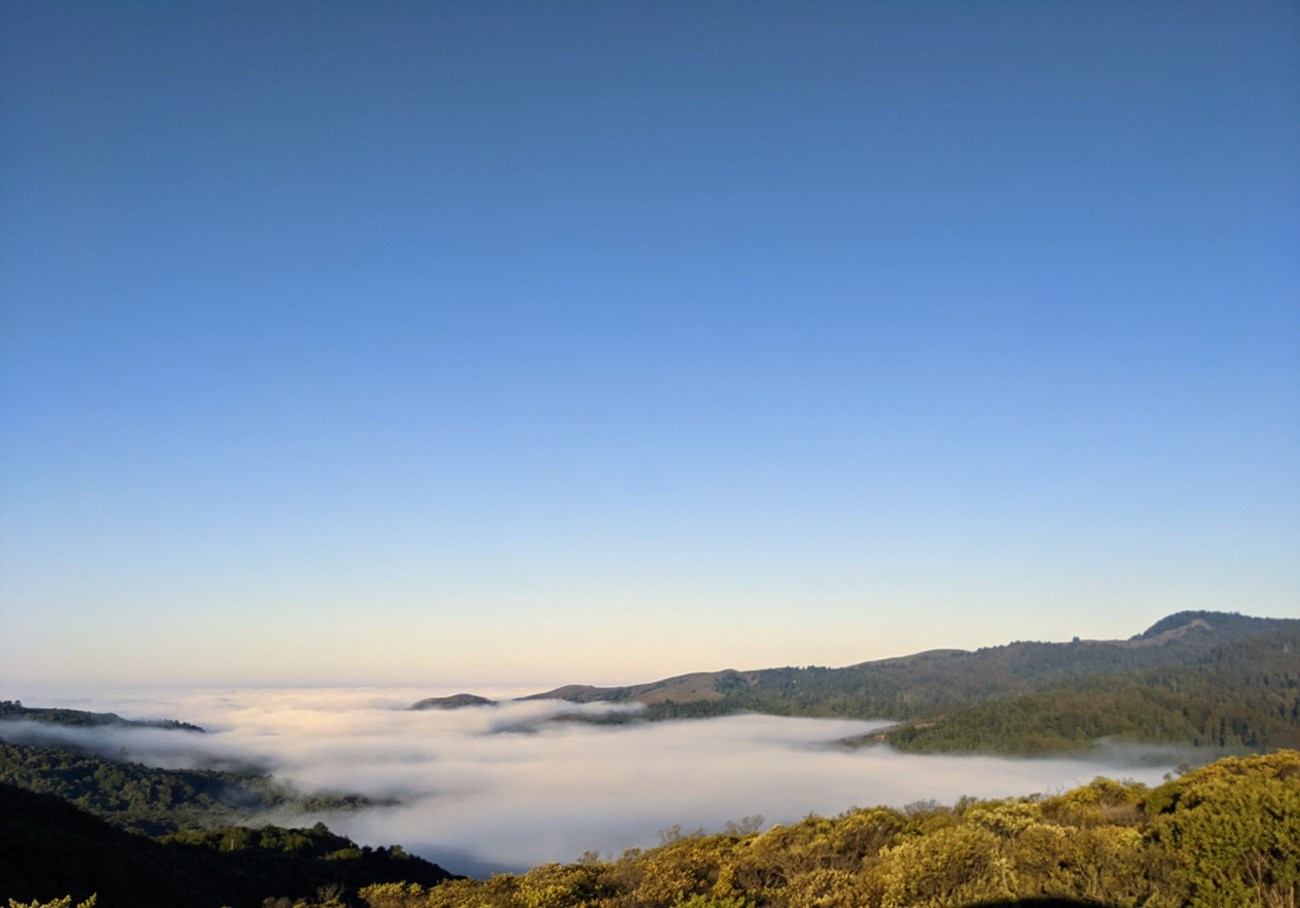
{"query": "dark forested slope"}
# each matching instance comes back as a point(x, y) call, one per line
point(73, 822)
point(1240, 696)
point(150, 800)
point(49, 849)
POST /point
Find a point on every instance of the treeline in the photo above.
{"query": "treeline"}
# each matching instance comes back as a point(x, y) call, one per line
point(1226, 835)
point(154, 801)
point(50, 849)
point(13, 710)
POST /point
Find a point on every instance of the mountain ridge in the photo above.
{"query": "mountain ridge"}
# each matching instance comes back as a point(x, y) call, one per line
point(1171, 629)
point(1205, 679)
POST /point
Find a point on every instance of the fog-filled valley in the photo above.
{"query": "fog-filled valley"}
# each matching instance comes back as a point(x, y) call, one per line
point(492, 788)
point(455, 453)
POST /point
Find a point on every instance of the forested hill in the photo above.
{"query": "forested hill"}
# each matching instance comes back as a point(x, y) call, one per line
point(49, 848)
point(13, 710)
point(1204, 679)
point(155, 801)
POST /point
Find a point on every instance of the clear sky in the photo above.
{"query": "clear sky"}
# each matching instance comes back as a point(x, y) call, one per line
point(448, 343)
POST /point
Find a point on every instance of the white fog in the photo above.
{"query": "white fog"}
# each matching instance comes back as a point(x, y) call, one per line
point(483, 789)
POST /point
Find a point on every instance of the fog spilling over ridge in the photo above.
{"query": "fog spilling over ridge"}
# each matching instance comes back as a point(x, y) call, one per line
point(501, 787)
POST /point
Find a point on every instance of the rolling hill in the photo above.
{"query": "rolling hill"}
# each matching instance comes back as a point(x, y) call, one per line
point(1212, 680)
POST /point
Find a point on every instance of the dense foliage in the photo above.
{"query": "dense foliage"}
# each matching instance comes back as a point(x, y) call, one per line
point(1243, 697)
point(65, 902)
point(50, 849)
point(1226, 835)
point(153, 801)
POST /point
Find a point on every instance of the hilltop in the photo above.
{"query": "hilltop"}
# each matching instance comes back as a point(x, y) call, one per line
point(455, 701)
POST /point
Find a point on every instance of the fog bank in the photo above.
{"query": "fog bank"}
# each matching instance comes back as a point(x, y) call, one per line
point(494, 788)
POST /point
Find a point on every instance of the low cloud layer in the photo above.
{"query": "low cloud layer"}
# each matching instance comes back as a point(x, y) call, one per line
point(496, 788)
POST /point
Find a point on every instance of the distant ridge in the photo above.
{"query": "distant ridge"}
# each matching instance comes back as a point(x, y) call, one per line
point(455, 701)
point(693, 686)
point(1188, 632)
point(1217, 680)
point(13, 710)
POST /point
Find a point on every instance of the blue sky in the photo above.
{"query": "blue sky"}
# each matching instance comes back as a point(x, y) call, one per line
point(470, 342)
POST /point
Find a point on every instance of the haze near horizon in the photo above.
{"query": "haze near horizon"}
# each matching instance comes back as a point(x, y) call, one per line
point(505, 343)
